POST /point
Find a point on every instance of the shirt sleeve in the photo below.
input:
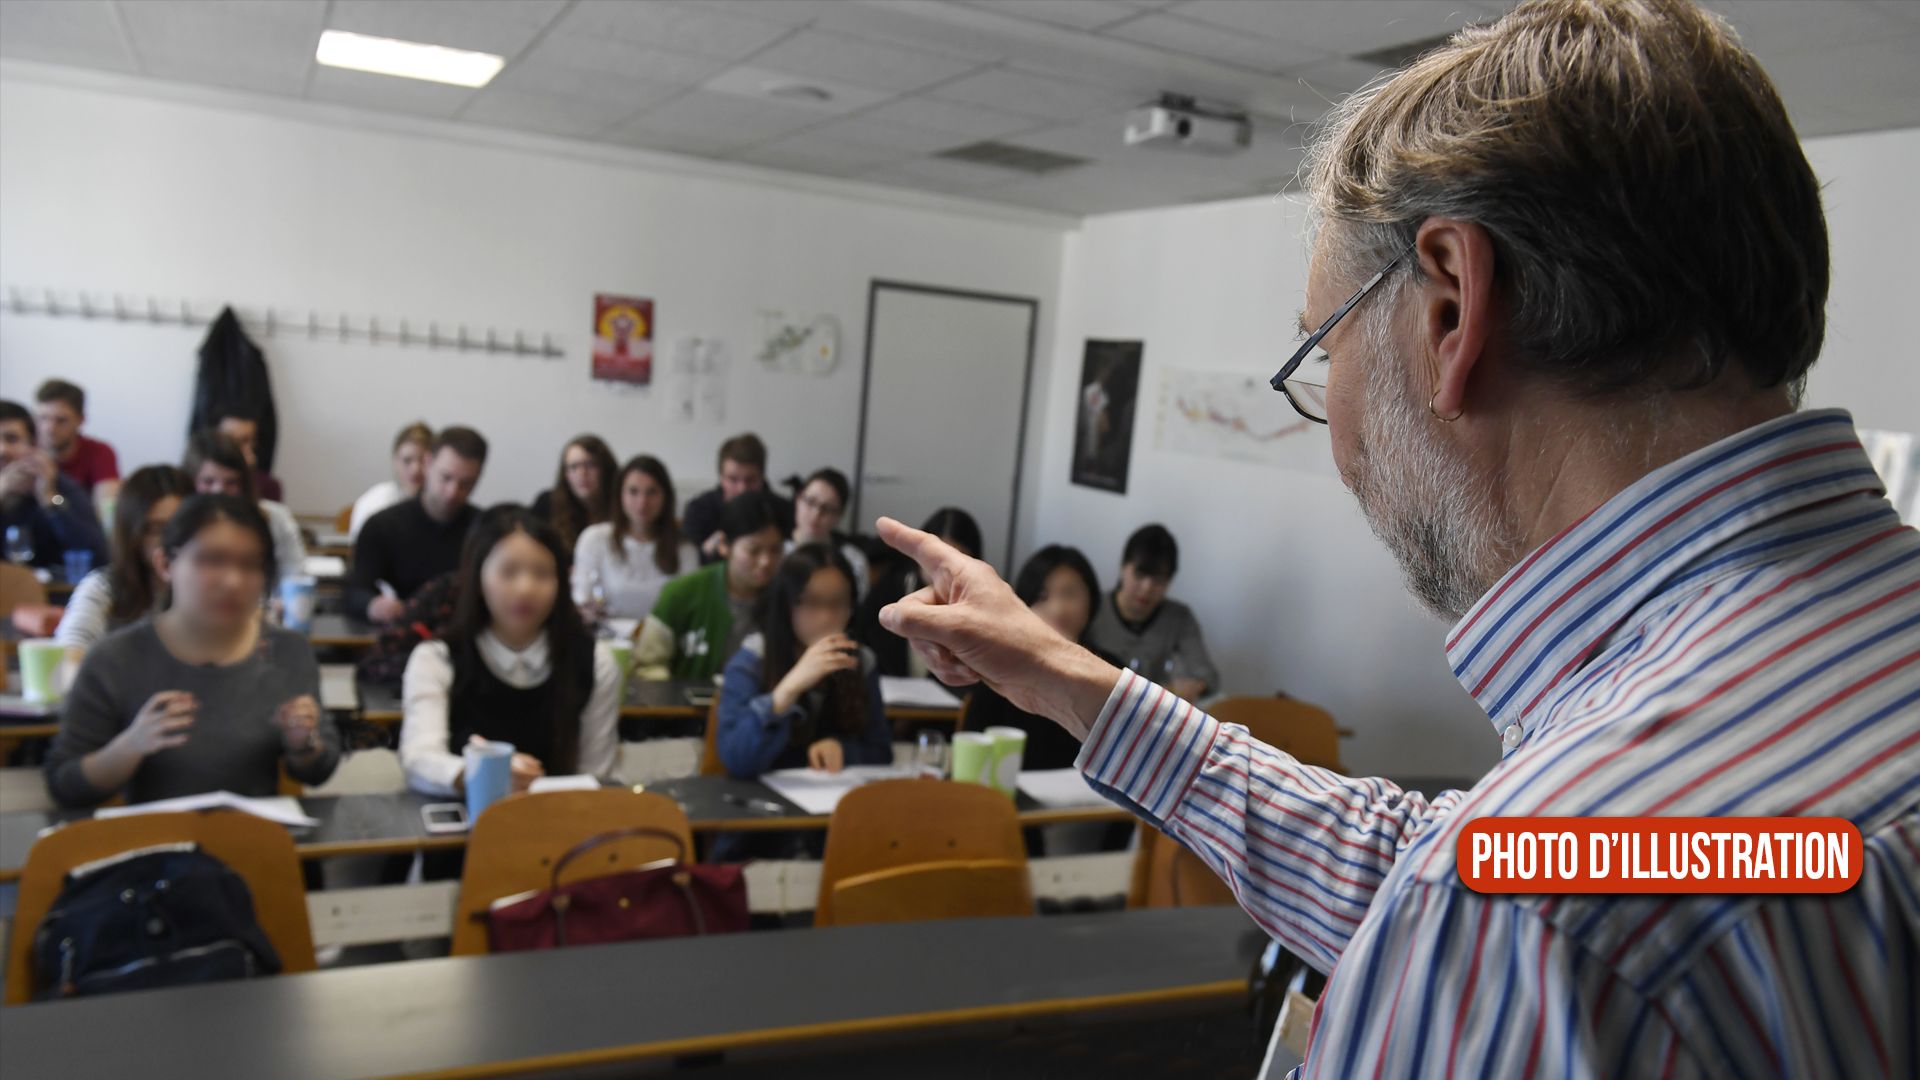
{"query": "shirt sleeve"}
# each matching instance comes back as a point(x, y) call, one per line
point(1303, 848)
point(92, 718)
point(85, 619)
point(751, 735)
point(307, 677)
point(425, 691)
point(288, 549)
point(600, 721)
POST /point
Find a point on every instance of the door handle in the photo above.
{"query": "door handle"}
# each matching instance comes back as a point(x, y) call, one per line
point(883, 478)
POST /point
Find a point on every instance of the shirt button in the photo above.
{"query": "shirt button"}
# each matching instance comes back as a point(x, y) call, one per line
point(1511, 736)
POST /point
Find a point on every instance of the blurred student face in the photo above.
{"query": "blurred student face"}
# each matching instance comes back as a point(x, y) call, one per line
point(641, 500)
point(410, 467)
point(1141, 593)
point(15, 443)
point(245, 432)
point(818, 512)
point(1064, 603)
point(155, 526)
point(752, 559)
point(217, 578)
point(216, 479)
point(737, 478)
point(449, 484)
point(58, 425)
point(583, 472)
point(824, 606)
point(519, 580)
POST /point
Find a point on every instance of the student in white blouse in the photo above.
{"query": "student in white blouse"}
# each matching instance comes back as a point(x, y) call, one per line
point(516, 665)
point(128, 590)
point(411, 449)
point(632, 557)
point(817, 513)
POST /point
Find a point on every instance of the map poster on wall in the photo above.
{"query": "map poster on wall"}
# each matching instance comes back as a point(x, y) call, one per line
point(1237, 416)
point(622, 339)
point(1103, 414)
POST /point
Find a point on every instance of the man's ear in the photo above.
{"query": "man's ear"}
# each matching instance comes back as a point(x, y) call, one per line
point(1456, 317)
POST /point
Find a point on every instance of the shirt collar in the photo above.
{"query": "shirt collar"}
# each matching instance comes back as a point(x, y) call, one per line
point(1550, 612)
point(526, 667)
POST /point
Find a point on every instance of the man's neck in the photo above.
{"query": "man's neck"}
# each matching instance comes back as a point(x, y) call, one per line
point(438, 518)
point(64, 454)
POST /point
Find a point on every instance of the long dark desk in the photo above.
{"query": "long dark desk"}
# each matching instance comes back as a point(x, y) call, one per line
point(571, 1008)
point(342, 632)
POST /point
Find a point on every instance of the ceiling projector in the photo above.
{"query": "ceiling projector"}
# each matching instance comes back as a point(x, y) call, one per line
point(1177, 122)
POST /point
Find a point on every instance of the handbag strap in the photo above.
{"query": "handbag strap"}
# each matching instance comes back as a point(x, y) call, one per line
point(614, 836)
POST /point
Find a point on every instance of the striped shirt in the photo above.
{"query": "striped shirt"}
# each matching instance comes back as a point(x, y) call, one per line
point(1737, 633)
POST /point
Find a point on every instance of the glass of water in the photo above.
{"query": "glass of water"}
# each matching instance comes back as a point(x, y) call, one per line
point(20, 544)
point(930, 755)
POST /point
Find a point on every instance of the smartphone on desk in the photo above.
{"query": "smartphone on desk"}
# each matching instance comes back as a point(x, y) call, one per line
point(444, 817)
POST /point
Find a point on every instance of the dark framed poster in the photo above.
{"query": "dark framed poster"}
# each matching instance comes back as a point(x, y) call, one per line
point(1103, 414)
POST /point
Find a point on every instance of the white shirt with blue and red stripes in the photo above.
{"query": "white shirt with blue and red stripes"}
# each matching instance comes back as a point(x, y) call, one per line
point(1737, 633)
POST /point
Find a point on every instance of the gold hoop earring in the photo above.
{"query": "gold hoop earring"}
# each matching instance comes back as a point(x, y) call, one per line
point(1436, 412)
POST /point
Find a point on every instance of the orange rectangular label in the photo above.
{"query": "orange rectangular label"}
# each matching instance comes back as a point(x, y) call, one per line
point(1660, 855)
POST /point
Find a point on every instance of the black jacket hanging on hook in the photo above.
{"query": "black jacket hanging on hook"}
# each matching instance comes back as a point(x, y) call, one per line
point(233, 378)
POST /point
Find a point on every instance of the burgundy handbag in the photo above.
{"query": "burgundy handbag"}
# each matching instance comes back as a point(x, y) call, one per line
point(668, 898)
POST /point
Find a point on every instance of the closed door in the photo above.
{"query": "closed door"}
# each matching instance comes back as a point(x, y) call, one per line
point(943, 421)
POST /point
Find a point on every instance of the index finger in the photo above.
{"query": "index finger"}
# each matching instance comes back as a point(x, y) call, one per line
point(939, 561)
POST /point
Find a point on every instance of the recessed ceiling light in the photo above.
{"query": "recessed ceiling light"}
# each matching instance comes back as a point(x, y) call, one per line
point(788, 91)
point(407, 59)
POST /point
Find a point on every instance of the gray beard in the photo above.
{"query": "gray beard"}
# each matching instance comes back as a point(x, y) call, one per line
point(1422, 499)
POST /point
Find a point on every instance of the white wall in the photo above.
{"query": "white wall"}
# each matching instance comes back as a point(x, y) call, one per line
point(142, 190)
point(1292, 588)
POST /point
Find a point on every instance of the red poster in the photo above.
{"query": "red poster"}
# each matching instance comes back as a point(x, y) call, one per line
point(622, 339)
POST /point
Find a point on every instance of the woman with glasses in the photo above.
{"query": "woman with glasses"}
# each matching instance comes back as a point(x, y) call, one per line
point(817, 513)
point(205, 695)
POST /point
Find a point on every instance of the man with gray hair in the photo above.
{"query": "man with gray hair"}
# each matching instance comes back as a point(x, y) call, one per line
point(1569, 274)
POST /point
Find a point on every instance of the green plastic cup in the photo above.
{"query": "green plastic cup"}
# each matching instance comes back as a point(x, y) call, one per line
point(39, 661)
point(972, 758)
point(1009, 748)
point(622, 650)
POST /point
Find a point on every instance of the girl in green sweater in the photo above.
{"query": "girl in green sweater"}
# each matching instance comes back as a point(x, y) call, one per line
point(701, 619)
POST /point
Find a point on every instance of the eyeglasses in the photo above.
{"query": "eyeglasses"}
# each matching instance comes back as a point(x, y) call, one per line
point(1304, 382)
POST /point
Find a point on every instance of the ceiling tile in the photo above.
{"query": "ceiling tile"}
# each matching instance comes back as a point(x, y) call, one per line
point(502, 27)
point(80, 32)
point(815, 154)
point(1078, 14)
point(757, 83)
point(1251, 52)
point(1342, 27)
point(785, 12)
point(942, 175)
point(880, 134)
point(814, 54)
point(969, 121)
point(737, 121)
point(264, 45)
point(672, 142)
point(554, 115)
point(695, 31)
point(1337, 76)
point(559, 57)
point(386, 92)
point(1033, 95)
point(1773, 29)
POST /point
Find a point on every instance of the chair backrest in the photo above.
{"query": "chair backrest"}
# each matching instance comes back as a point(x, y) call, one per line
point(258, 850)
point(710, 763)
point(514, 845)
point(343, 520)
point(894, 823)
point(962, 889)
point(1305, 731)
point(1165, 874)
point(19, 586)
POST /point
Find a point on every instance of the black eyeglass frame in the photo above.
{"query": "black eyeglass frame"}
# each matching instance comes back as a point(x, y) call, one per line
point(1279, 381)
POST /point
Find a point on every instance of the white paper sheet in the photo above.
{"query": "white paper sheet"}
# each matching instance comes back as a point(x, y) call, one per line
point(283, 809)
point(903, 692)
point(576, 782)
point(1059, 788)
point(324, 566)
point(819, 792)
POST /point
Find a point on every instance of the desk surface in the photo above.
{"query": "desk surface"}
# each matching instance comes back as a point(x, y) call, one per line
point(343, 631)
point(529, 1012)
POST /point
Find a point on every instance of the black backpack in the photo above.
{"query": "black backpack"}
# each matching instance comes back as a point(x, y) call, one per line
point(167, 915)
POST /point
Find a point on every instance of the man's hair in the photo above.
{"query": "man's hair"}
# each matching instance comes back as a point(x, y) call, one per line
point(235, 412)
point(208, 445)
point(1644, 189)
point(464, 441)
point(13, 410)
point(1151, 550)
point(749, 513)
point(62, 391)
point(746, 449)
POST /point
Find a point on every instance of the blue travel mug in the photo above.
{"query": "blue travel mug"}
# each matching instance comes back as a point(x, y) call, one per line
point(489, 776)
point(79, 563)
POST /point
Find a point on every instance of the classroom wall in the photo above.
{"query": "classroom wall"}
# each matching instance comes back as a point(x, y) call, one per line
point(113, 185)
point(1292, 588)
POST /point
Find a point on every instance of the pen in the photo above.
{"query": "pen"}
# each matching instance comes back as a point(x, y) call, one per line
point(753, 804)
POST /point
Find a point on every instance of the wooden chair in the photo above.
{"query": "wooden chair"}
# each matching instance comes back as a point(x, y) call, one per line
point(710, 763)
point(514, 844)
point(343, 520)
point(18, 586)
point(963, 889)
point(256, 849)
point(1305, 731)
point(895, 823)
point(1165, 874)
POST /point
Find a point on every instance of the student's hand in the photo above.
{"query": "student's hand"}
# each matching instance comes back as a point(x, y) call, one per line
point(19, 478)
point(161, 724)
point(970, 627)
point(711, 545)
point(385, 609)
point(835, 652)
point(1188, 688)
point(526, 769)
point(299, 724)
point(827, 755)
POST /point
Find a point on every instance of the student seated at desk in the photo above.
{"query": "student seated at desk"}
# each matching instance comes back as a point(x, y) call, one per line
point(410, 450)
point(204, 696)
point(701, 618)
point(1059, 584)
point(583, 490)
point(60, 411)
point(817, 512)
point(632, 556)
point(1143, 630)
point(743, 468)
point(218, 466)
point(410, 543)
point(899, 577)
point(243, 427)
point(50, 509)
point(114, 596)
point(516, 665)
